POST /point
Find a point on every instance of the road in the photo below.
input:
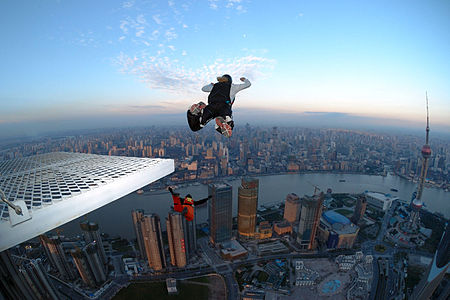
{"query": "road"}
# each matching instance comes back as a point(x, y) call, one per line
point(368, 249)
point(394, 283)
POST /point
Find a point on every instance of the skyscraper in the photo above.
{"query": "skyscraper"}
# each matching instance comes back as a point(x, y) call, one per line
point(220, 212)
point(292, 208)
point(311, 210)
point(56, 256)
point(95, 262)
point(437, 269)
point(35, 275)
point(83, 268)
point(417, 203)
point(247, 206)
point(12, 283)
point(360, 209)
point(92, 234)
point(89, 264)
point(137, 216)
point(175, 234)
point(190, 237)
point(154, 249)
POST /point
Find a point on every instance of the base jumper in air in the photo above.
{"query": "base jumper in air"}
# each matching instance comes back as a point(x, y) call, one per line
point(220, 100)
point(185, 206)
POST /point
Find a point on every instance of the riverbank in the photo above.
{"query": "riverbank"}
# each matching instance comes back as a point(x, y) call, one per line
point(115, 218)
point(187, 183)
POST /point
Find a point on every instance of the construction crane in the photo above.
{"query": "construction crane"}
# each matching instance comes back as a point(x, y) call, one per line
point(316, 187)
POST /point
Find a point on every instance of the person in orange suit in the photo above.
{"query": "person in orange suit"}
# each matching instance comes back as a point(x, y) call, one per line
point(185, 205)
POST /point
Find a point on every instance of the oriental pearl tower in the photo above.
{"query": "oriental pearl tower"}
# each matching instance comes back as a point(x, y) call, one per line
point(417, 203)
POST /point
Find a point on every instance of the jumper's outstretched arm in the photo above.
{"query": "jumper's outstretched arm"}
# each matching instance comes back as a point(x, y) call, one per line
point(201, 201)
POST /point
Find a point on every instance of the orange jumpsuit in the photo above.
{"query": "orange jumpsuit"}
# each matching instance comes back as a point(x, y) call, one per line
point(179, 204)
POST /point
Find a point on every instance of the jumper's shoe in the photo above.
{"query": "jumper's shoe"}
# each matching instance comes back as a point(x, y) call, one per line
point(197, 108)
point(225, 129)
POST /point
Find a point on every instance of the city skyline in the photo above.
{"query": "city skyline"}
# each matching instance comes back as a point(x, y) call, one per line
point(147, 61)
point(323, 227)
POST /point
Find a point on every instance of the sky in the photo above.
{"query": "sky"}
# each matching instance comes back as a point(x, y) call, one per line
point(73, 63)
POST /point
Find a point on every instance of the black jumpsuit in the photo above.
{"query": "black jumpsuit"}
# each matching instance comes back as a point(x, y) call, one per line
point(219, 103)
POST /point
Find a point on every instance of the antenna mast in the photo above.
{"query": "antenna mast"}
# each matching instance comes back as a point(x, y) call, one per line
point(428, 121)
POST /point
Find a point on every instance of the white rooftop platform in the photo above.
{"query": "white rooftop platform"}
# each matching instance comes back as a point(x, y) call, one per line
point(55, 188)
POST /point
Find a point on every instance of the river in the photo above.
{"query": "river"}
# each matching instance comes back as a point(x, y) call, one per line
point(115, 218)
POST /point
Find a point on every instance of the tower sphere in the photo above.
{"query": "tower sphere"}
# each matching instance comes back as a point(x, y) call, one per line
point(417, 204)
point(426, 151)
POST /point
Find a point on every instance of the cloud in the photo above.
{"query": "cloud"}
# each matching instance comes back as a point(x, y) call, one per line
point(326, 114)
point(213, 4)
point(170, 34)
point(128, 4)
point(86, 39)
point(141, 19)
point(124, 26)
point(138, 25)
point(170, 75)
point(157, 19)
point(159, 65)
point(229, 4)
point(300, 14)
point(155, 34)
point(240, 8)
point(140, 31)
point(135, 109)
point(146, 106)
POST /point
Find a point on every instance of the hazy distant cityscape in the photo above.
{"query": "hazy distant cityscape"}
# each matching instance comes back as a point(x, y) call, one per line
point(256, 150)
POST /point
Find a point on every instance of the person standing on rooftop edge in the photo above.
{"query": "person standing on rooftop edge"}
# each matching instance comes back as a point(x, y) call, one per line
point(220, 100)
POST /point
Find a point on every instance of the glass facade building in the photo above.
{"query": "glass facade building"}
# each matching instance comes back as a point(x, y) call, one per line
point(220, 212)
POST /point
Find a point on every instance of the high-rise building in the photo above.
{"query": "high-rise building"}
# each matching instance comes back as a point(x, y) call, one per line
point(220, 212)
point(175, 235)
point(417, 203)
point(89, 264)
point(437, 269)
point(154, 248)
point(95, 262)
point(292, 208)
point(137, 216)
point(92, 234)
point(12, 283)
point(310, 212)
point(360, 209)
point(190, 237)
point(83, 268)
point(56, 256)
point(247, 206)
point(35, 275)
